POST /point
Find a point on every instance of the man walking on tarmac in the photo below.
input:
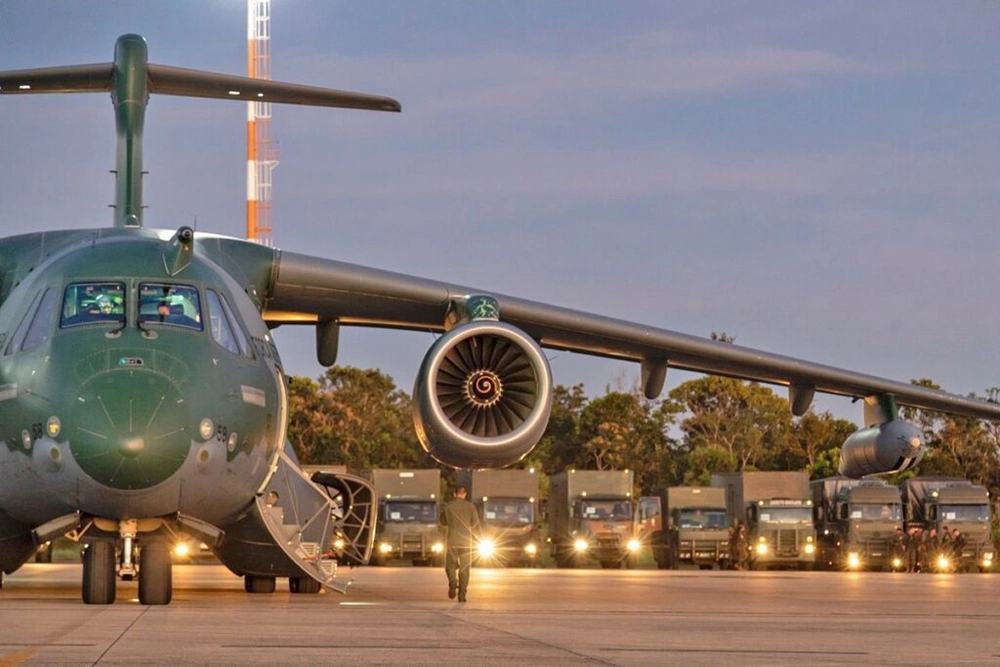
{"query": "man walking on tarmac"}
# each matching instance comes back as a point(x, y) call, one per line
point(461, 521)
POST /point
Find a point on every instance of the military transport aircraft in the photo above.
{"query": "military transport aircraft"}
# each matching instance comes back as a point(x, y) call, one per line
point(142, 399)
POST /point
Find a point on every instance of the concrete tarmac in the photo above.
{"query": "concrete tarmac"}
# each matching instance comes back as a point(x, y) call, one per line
point(401, 616)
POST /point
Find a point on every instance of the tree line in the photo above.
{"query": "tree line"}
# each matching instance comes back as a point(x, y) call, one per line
point(360, 419)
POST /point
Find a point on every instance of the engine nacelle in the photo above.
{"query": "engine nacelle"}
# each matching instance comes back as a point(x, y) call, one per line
point(890, 447)
point(482, 396)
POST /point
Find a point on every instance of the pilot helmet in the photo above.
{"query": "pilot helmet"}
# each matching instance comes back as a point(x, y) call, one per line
point(104, 304)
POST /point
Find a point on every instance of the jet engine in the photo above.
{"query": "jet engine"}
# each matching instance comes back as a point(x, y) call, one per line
point(884, 448)
point(482, 396)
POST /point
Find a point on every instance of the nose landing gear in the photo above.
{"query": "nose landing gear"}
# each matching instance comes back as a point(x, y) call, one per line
point(150, 558)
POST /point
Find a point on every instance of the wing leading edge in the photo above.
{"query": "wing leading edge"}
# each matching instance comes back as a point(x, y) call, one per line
point(311, 289)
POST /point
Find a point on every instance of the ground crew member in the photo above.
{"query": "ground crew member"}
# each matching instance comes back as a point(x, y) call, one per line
point(461, 524)
point(900, 545)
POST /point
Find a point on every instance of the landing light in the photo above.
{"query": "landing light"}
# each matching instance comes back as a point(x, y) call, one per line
point(206, 428)
point(338, 543)
point(182, 550)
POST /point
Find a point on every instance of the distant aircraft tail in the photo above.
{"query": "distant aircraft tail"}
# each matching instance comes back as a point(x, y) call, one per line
point(131, 78)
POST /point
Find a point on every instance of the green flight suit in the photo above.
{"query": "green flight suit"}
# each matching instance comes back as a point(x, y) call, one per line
point(461, 522)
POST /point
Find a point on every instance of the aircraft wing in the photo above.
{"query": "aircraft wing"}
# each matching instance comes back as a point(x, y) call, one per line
point(311, 289)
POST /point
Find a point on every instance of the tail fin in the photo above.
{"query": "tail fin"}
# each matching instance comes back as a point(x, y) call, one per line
point(131, 78)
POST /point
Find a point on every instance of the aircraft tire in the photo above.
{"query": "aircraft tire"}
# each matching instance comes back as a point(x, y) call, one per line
point(99, 573)
point(254, 583)
point(156, 579)
point(303, 585)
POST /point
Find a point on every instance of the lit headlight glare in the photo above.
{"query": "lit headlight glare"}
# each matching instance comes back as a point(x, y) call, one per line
point(486, 548)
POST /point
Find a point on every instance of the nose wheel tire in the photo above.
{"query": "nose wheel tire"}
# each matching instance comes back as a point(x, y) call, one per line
point(155, 574)
point(303, 585)
point(99, 573)
point(253, 583)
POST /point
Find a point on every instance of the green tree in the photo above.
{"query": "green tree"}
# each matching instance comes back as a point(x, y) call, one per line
point(353, 417)
point(812, 436)
point(746, 420)
point(560, 445)
point(625, 431)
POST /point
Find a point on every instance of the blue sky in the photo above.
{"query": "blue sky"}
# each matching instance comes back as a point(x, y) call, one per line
point(817, 179)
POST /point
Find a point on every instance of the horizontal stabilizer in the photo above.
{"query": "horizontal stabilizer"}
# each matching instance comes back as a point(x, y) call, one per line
point(164, 80)
point(196, 83)
point(67, 79)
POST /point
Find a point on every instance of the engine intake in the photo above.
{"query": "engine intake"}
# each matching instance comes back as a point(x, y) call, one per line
point(482, 396)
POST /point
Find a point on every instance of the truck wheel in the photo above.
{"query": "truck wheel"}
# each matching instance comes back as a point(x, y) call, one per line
point(631, 561)
point(609, 565)
point(563, 559)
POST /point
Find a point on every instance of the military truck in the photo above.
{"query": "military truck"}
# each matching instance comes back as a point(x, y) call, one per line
point(856, 521)
point(407, 526)
point(949, 503)
point(695, 530)
point(776, 510)
point(591, 518)
point(507, 501)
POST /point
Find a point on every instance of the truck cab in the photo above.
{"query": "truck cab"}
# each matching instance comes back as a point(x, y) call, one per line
point(856, 521)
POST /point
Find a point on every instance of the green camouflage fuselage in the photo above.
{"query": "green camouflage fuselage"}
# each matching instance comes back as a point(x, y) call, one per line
point(129, 415)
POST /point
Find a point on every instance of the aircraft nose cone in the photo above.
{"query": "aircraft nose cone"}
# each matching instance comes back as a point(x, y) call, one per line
point(129, 428)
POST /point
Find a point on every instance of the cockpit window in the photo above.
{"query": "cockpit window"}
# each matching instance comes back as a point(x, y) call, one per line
point(177, 305)
point(43, 322)
point(224, 325)
point(89, 303)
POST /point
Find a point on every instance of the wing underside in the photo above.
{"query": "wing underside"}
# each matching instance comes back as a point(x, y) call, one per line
point(310, 289)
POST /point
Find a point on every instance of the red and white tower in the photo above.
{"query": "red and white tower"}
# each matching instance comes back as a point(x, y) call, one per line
point(262, 153)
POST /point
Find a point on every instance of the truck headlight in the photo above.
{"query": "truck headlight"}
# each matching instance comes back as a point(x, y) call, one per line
point(943, 563)
point(853, 560)
point(897, 563)
point(761, 548)
point(437, 548)
point(530, 548)
point(182, 550)
point(633, 545)
point(384, 547)
point(810, 548)
point(486, 548)
point(339, 543)
point(580, 544)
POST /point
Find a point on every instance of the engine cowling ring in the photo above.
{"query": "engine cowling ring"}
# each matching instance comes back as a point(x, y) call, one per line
point(483, 395)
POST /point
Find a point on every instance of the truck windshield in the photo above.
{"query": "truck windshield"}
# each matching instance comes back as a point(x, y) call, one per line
point(797, 515)
point(964, 513)
point(606, 509)
point(695, 518)
point(877, 512)
point(411, 512)
point(509, 512)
